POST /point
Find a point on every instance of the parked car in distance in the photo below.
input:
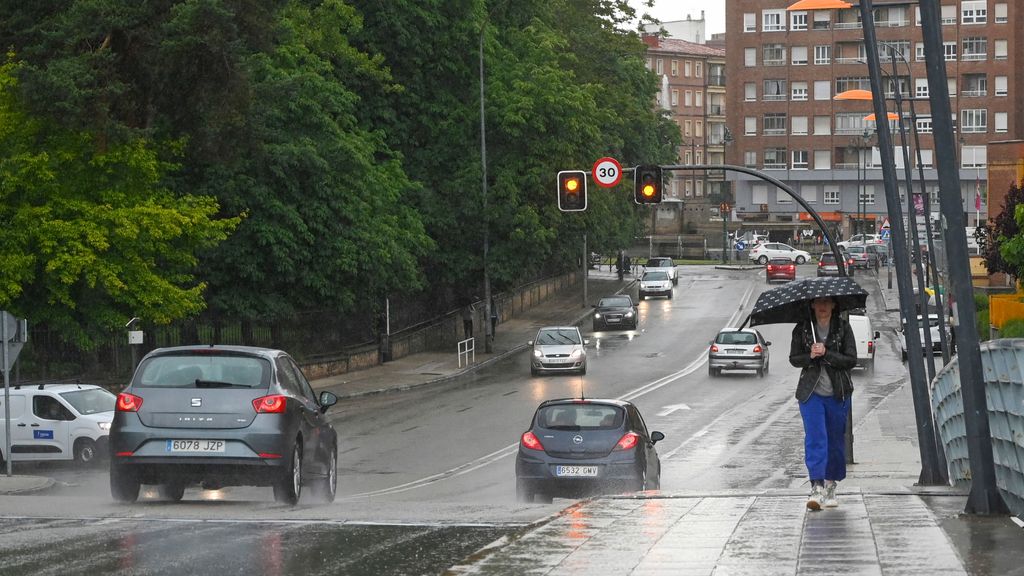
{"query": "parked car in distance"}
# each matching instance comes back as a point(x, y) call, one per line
point(575, 447)
point(736, 349)
point(762, 253)
point(827, 264)
point(861, 239)
point(613, 312)
point(57, 422)
point(655, 283)
point(558, 349)
point(862, 258)
point(664, 264)
point(933, 332)
point(222, 416)
point(865, 338)
point(780, 269)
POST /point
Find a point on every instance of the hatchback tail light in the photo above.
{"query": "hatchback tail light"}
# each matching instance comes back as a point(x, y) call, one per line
point(530, 440)
point(128, 402)
point(758, 349)
point(820, 263)
point(714, 348)
point(628, 441)
point(273, 404)
point(871, 346)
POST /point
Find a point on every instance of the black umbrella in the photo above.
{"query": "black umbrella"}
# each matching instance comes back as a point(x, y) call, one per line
point(791, 303)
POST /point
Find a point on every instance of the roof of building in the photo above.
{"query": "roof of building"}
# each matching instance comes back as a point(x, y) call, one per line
point(682, 46)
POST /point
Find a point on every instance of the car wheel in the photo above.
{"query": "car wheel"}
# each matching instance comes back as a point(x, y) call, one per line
point(289, 487)
point(903, 354)
point(641, 297)
point(594, 328)
point(583, 370)
point(675, 281)
point(760, 372)
point(800, 260)
point(669, 296)
point(173, 491)
point(85, 452)
point(762, 260)
point(533, 371)
point(523, 492)
point(326, 487)
point(124, 485)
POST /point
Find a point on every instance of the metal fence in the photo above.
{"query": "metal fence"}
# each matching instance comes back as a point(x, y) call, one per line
point(1003, 369)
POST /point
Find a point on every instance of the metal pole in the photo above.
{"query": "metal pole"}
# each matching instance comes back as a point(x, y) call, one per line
point(488, 336)
point(7, 394)
point(984, 497)
point(922, 408)
point(725, 235)
point(586, 272)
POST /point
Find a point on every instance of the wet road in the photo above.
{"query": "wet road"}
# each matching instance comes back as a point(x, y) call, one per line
point(427, 476)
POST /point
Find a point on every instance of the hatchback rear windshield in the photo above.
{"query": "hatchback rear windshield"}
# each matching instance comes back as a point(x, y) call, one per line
point(828, 258)
point(659, 262)
point(580, 417)
point(207, 370)
point(614, 303)
point(736, 338)
point(559, 336)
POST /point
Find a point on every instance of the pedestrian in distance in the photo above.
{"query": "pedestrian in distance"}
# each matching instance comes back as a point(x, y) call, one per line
point(467, 320)
point(494, 317)
point(825, 350)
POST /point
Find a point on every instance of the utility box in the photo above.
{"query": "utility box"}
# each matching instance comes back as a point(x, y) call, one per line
point(135, 336)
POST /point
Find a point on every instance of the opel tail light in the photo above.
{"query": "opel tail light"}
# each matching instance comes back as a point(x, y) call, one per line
point(714, 348)
point(530, 440)
point(628, 441)
point(758, 349)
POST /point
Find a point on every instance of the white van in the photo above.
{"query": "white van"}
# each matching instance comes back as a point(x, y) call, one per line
point(57, 422)
point(865, 338)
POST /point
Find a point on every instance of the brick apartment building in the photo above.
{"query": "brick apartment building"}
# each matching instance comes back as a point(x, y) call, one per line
point(693, 91)
point(785, 68)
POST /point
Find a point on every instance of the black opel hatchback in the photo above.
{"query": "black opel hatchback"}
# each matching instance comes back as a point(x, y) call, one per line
point(575, 447)
point(222, 416)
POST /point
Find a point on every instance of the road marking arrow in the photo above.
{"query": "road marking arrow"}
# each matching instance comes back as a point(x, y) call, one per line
point(672, 408)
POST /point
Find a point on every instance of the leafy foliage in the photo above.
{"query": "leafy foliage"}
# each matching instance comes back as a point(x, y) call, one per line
point(996, 241)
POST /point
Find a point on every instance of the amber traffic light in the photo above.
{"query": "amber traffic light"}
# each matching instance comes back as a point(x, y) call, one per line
point(572, 190)
point(647, 185)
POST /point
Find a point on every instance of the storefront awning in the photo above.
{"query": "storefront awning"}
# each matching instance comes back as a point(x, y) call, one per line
point(826, 216)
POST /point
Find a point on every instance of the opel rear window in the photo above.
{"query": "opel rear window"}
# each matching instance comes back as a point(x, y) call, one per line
point(582, 416)
point(745, 338)
point(204, 370)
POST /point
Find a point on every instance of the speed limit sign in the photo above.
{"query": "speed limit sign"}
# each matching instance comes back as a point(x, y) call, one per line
point(607, 172)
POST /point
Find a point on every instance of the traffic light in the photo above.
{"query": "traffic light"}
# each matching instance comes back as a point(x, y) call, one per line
point(647, 185)
point(572, 190)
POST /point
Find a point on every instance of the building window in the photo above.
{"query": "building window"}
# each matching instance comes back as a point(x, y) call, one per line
point(845, 83)
point(749, 91)
point(809, 192)
point(895, 50)
point(698, 128)
point(687, 157)
point(1001, 85)
point(687, 68)
point(675, 68)
point(822, 90)
point(675, 98)
point(782, 197)
point(750, 126)
point(867, 195)
point(974, 120)
point(798, 20)
point(800, 159)
point(775, 159)
point(927, 158)
point(949, 50)
point(773, 20)
point(750, 22)
point(949, 15)
point(750, 57)
point(924, 124)
point(850, 123)
point(799, 125)
point(698, 98)
point(1001, 47)
point(974, 12)
point(975, 48)
point(759, 194)
point(1001, 122)
point(975, 85)
point(1001, 14)
point(773, 55)
point(699, 69)
point(799, 54)
point(659, 66)
point(920, 87)
point(823, 54)
point(774, 124)
point(750, 159)
point(687, 127)
point(973, 157)
point(822, 126)
point(799, 93)
point(822, 160)
point(822, 19)
point(919, 51)
point(951, 86)
point(830, 194)
point(774, 90)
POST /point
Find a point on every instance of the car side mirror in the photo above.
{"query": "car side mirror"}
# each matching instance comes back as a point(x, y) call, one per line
point(529, 343)
point(657, 437)
point(327, 399)
point(593, 305)
point(768, 343)
point(877, 335)
point(586, 342)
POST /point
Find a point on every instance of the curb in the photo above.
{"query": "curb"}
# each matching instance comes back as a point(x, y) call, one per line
point(737, 267)
point(40, 484)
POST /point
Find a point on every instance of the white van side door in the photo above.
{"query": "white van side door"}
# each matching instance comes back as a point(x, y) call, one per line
point(47, 428)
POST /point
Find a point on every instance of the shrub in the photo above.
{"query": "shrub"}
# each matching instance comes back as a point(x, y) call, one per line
point(981, 302)
point(982, 324)
point(1012, 329)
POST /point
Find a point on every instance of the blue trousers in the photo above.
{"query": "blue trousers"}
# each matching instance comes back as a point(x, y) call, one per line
point(824, 445)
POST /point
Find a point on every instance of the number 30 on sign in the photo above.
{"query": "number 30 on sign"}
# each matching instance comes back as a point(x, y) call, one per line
point(607, 172)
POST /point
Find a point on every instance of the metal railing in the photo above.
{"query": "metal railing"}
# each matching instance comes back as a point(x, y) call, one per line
point(1002, 363)
point(467, 350)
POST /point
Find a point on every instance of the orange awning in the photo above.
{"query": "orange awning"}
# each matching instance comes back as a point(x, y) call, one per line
point(855, 94)
point(819, 5)
point(889, 115)
point(826, 216)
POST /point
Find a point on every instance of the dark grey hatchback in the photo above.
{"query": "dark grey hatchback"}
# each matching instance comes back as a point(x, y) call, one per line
point(575, 447)
point(222, 416)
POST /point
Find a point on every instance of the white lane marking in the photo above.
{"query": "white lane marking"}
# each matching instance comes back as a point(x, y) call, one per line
point(672, 408)
point(472, 465)
point(1017, 521)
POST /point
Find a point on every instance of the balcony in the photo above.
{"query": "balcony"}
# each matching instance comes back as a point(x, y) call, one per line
point(974, 56)
point(775, 166)
point(774, 132)
point(774, 62)
point(974, 93)
point(716, 80)
point(716, 110)
point(847, 26)
point(774, 97)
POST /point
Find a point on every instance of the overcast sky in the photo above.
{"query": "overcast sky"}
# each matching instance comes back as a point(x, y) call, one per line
point(669, 10)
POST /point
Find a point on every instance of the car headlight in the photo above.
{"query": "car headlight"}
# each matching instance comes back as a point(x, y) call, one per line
point(629, 314)
point(537, 353)
point(577, 353)
point(104, 425)
point(597, 314)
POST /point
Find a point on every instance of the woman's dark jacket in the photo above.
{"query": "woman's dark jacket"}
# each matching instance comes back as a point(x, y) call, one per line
point(840, 357)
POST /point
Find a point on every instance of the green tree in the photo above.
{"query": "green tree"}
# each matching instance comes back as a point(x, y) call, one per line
point(999, 241)
point(91, 238)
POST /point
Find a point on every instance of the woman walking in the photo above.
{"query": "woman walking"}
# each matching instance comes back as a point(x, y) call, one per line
point(825, 350)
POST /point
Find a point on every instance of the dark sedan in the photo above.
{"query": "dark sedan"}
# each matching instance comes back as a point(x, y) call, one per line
point(575, 447)
point(615, 312)
point(222, 416)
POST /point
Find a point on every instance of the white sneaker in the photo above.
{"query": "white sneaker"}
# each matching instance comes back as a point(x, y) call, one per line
point(814, 500)
point(830, 500)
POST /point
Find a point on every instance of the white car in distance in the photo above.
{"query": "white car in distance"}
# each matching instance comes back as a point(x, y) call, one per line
point(762, 253)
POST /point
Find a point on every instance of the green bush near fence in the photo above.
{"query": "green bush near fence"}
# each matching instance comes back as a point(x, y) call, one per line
point(1012, 329)
point(981, 302)
point(981, 319)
